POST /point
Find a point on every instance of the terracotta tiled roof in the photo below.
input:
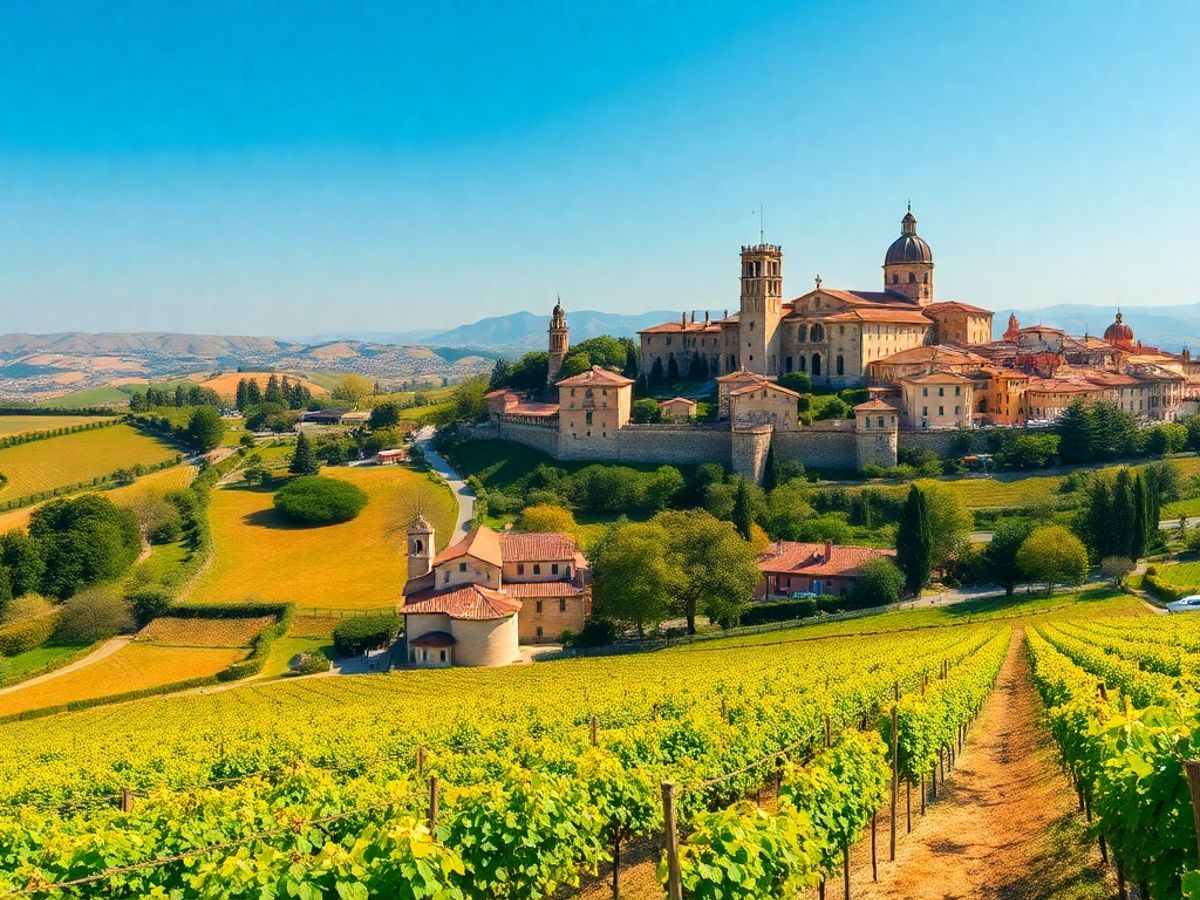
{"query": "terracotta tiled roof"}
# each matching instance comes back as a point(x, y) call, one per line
point(535, 547)
point(739, 376)
point(708, 326)
point(794, 557)
point(863, 298)
point(883, 314)
point(933, 353)
point(596, 375)
point(528, 408)
point(1059, 386)
point(499, 392)
point(526, 589)
point(433, 639)
point(875, 406)
point(481, 543)
point(956, 304)
point(469, 601)
point(683, 400)
point(763, 386)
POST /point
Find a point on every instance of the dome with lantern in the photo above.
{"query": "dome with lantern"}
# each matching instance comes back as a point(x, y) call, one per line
point(1118, 333)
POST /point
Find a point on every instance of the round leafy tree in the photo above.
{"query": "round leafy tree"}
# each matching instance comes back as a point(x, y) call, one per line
point(313, 500)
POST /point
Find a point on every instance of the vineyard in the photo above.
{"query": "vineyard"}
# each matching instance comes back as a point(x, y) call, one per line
point(1122, 707)
point(329, 786)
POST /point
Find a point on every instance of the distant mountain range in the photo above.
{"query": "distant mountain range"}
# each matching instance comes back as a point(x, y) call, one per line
point(1166, 327)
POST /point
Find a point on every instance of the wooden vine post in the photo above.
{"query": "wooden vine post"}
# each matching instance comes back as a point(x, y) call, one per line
point(895, 782)
point(433, 803)
point(674, 877)
point(1192, 767)
point(595, 730)
point(420, 760)
point(828, 732)
point(874, 857)
point(126, 800)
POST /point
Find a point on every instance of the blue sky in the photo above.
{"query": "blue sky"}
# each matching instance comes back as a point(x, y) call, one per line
point(307, 167)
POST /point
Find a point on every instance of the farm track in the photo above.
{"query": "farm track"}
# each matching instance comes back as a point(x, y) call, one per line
point(108, 648)
point(1004, 825)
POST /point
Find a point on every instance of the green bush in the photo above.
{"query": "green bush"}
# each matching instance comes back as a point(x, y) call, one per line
point(781, 611)
point(308, 664)
point(313, 500)
point(148, 603)
point(27, 634)
point(364, 633)
point(93, 615)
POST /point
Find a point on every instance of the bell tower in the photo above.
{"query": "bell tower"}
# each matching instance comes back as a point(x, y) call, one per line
point(559, 341)
point(761, 308)
point(420, 547)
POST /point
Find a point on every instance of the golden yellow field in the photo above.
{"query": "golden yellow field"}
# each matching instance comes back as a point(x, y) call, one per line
point(186, 632)
point(162, 480)
point(226, 383)
point(357, 564)
point(61, 461)
point(132, 668)
point(26, 424)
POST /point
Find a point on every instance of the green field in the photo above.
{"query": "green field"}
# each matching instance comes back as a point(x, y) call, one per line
point(33, 661)
point(357, 564)
point(72, 458)
point(1183, 577)
point(29, 424)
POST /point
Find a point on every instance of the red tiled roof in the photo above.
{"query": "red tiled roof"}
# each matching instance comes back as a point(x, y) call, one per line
point(596, 375)
point(537, 546)
point(937, 378)
point(764, 386)
point(794, 557)
point(957, 304)
point(481, 543)
point(883, 314)
point(932, 353)
point(528, 408)
point(676, 327)
point(875, 405)
point(740, 375)
point(524, 589)
point(468, 601)
point(433, 639)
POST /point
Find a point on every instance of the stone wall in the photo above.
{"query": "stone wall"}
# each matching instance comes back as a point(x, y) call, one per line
point(674, 444)
point(818, 448)
point(748, 450)
point(540, 437)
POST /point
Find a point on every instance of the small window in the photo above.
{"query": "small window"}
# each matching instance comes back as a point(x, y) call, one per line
point(941, 410)
point(539, 631)
point(924, 392)
point(445, 577)
point(553, 568)
point(442, 655)
point(941, 392)
point(562, 604)
point(520, 568)
point(537, 568)
point(462, 567)
point(539, 606)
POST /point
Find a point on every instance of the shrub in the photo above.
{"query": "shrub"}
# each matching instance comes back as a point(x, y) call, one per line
point(782, 611)
point(364, 633)
point(313, 500)
point(879, 584)
point(596, 633)
point(27, 634)
point(148, 604)
point(93, 615)
point(308, 664)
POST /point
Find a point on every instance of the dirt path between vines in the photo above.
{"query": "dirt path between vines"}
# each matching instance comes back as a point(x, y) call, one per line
point(1004, 825)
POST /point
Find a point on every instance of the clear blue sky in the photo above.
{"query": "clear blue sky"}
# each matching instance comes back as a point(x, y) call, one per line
point(301, 167)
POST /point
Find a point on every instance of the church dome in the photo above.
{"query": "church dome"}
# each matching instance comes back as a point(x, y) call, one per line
point(1118, 332)
point(909, 247)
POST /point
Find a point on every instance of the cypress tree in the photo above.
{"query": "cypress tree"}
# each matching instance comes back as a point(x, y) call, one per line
point(1099, 519)
point(241, 394)
point(771, 469)
point(914, 544)
point(742, 520)
point(656, 373)
point(253, 392)
point(672, 371)
point(1121, 520)
point(1138, 532)
point(304, 462)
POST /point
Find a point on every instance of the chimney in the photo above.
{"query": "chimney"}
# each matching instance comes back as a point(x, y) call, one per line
point(706, 317)
point(683, 319)
point(727, 314)
point(828, 551)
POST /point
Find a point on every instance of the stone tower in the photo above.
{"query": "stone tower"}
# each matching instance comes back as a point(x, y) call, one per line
point(761, 308)
point(908, 265)
point(559, 341)
point(420, 547)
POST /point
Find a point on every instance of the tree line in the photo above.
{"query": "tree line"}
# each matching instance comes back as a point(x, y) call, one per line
point(179, 397)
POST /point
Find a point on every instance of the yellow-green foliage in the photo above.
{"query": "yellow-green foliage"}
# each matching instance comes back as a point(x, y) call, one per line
point(355, 564)
point(72, 458)
point(26, 424)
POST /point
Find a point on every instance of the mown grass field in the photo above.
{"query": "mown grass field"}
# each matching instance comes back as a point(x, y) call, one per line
point(71, 458)
point(29, 424)
point(32, 661)
point(357, 564)
point(134, 667)
point(189, 632)
point(162, 480)
point(1184, 576)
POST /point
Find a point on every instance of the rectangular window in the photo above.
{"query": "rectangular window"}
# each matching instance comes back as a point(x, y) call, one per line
point(462, 567)
point(941, 392)
point(520, 568)
point(562, 604)
point(539, 631)
point(442, 657)
point(537, 568)
point(925, 411)
point(941, 411)
point(553, 568)
point(957, 390)
point(924, 392)
point(539, 606)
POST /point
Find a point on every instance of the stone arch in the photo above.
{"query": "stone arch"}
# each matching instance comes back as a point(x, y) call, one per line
point(817, 335)
point(841, 364)
point(912, 277)
point(816, 363)
point(802, 333)
point(803, 363)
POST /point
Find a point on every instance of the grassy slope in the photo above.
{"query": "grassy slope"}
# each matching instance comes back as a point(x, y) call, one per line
point(27, 424)
point(163, 480)
point(132, 668)
point(357, 564)
point(57, 462)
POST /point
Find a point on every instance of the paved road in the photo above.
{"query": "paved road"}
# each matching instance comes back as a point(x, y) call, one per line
point(462, 493)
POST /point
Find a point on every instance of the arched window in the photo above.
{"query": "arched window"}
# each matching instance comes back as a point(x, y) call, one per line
point(818, 333)
point(895, 278)
point(803, 363)
point(841, 365)
point(816, 363)
point(589, 393)
point(771, 371)
point(926, 279)
point(418, 546)
point(912, 277)
point(802, 333)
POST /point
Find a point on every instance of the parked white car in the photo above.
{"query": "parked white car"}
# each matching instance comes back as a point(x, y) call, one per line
point(1190, 603)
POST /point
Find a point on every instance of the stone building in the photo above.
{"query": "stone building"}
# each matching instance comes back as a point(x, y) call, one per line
point(473, 603)
point(559, 342)
point(793, 567)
